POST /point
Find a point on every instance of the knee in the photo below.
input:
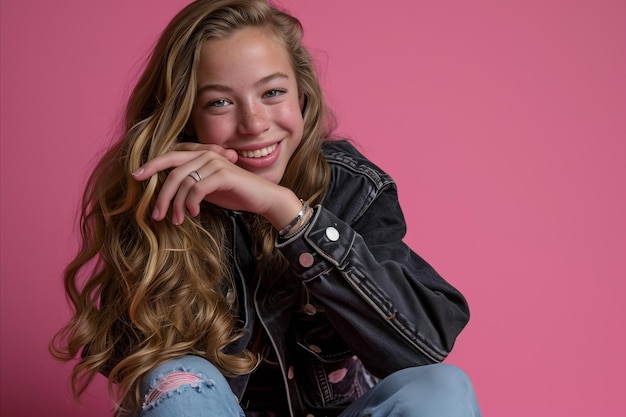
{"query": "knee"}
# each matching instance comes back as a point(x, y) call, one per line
point(439, 389)
point(174, 382)
point(184, 370)
point(447, 377)
point(181, 377)
point(439, 376)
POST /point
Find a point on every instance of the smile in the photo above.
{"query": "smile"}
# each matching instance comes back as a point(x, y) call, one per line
point(258, 153)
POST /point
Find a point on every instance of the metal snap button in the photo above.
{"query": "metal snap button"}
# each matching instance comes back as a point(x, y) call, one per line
point(332, 234)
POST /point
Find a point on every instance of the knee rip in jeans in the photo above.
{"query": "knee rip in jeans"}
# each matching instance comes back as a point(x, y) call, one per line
point(175, 382)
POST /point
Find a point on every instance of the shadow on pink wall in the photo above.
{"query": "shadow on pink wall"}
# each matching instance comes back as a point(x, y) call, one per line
point(502, 122)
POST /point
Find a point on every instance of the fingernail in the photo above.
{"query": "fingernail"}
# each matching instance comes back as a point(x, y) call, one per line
point(155, 213)
point(138, 172)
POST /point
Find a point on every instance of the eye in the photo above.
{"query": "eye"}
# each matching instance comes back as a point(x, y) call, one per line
point(218, 103)
point(275, 92)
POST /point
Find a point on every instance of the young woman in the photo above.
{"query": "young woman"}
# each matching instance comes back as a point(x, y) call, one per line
point(237, 261)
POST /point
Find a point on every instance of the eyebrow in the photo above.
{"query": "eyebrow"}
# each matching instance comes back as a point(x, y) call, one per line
point(225, 88)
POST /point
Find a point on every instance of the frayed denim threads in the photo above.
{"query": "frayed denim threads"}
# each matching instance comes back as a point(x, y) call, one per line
point(188, 386)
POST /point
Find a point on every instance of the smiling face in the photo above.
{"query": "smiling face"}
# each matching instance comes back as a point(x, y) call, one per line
point(248, 101)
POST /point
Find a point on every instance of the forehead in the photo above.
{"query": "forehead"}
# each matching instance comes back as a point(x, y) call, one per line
point(247, 54)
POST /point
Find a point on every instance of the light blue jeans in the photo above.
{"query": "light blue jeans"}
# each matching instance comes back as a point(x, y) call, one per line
point(192, 387)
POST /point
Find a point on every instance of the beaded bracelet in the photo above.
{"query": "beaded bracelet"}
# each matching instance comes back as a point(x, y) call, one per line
point(299, 216)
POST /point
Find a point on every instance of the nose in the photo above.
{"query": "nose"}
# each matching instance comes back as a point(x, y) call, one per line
point(253, 119)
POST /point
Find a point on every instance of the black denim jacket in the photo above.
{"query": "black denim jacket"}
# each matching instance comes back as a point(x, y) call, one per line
point(358, 304)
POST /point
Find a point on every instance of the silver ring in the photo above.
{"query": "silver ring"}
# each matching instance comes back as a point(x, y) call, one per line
point(195, 175)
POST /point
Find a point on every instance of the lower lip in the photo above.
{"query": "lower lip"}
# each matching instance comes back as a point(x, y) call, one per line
point(262, 162)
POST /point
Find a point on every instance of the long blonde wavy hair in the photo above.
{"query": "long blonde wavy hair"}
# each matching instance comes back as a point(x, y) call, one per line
point(143, 291)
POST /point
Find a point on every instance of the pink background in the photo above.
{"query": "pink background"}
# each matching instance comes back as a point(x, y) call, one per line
point(504, 123)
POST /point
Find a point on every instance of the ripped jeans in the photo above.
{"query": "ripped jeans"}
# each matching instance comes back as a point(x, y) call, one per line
point(192, 387)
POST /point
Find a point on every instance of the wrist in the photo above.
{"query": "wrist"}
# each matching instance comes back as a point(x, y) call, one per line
point(284, 209)
point(303, 220)
point(297, 222)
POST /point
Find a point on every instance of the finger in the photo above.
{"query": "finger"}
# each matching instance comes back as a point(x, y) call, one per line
point(193, 190)
point(179, 202)
point(177, 182)
point(182, 200)
point(166, 161)
point(229, 154)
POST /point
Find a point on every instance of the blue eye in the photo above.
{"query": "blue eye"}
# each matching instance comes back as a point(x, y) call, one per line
point(274, 93)
point(218, 103)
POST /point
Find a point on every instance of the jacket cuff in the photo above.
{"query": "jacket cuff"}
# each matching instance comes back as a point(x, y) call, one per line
point(323, 244)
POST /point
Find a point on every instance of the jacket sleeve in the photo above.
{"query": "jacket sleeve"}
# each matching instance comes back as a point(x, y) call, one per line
point(386, 302)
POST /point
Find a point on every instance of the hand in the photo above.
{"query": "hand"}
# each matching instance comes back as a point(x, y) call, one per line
point(222, 183)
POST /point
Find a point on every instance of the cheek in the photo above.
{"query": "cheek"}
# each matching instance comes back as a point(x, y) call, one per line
point(213, 131)
point(293, 121)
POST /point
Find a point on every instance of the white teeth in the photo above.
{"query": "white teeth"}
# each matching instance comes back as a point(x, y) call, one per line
point(258, 153)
